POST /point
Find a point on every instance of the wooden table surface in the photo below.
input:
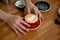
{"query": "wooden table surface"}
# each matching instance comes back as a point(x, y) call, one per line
point(48, 30)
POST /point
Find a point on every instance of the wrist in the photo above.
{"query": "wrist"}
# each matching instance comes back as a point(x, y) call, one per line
point(3, 15)
point(27, 1)
point(6, 18)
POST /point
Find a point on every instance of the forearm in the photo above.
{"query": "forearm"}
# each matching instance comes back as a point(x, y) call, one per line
point(3, 15)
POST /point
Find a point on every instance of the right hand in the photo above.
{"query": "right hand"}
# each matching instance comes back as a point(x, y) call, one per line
point(30, 7)
point(15, 23)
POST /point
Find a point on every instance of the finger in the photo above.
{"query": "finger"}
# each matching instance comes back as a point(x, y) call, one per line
point(40, 15)
point(24, 28)
point(36, 12)
point(23, 22)
point(28, 10)
point(19, 29)
point(25, 11)
point(15, 30)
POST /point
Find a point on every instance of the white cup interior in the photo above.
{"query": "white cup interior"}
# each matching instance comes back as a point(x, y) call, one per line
point(19, 4)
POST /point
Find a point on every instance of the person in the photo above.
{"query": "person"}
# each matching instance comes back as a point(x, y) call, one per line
point(15, 21)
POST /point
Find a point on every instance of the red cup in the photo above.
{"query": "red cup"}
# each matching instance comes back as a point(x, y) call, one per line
point(33, 26)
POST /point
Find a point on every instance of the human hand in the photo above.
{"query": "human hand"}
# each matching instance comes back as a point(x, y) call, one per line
point(15, 23)
point(30, 7)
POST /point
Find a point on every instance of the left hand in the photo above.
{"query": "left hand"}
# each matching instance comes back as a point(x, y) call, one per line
point(31, 7)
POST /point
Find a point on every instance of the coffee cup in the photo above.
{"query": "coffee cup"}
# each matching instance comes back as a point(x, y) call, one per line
point(20, 4)
point(33, 21)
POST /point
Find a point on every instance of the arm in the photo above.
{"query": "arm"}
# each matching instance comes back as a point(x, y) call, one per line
point(14, 22)
point(3, 15)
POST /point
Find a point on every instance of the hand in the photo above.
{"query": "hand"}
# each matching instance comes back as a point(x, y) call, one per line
point(31, 7)
point(15, 23)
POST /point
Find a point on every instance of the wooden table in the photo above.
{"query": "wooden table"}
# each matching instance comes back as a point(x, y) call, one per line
point(48, 30)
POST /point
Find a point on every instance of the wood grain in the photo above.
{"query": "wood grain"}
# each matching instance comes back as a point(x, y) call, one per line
point(48, 30)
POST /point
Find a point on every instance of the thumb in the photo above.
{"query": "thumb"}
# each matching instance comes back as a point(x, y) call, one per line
point(28, 11)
